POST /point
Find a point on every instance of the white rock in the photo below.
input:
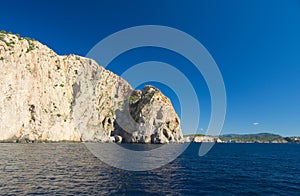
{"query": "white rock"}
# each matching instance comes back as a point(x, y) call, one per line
point(45, 96)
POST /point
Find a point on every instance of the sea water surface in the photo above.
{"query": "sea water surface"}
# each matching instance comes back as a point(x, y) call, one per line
point(228, 169)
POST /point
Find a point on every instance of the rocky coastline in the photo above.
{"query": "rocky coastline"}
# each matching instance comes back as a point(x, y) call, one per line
point(266, 138)
point(46, 97)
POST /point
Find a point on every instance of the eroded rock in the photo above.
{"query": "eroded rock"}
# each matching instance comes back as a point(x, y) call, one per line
point(155, 118)
point(48, 97)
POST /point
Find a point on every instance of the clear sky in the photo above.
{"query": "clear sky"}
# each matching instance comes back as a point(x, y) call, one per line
point(256, 44)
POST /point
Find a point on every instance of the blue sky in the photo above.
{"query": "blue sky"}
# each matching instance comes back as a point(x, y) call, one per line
point(256, 45)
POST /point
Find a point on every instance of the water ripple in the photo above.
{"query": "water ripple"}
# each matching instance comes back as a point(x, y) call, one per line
point(229, 169)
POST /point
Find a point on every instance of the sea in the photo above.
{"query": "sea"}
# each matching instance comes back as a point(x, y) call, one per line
point(227, 169)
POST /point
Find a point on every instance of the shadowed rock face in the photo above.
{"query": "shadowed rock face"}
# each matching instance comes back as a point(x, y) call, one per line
point(49, 97)
point(154, 117)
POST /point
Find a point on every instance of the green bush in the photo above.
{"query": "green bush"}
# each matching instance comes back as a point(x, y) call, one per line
point(31, 47)
point(112, 111)
point(9, 44)
point(133, 99)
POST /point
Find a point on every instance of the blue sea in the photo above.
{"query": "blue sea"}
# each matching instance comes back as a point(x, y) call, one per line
point(228, 169)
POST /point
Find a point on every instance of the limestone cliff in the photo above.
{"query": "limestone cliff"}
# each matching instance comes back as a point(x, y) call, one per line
point(49, 97)
point(156, 120)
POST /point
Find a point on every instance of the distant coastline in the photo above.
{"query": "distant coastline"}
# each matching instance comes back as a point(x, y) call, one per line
point(242, 138)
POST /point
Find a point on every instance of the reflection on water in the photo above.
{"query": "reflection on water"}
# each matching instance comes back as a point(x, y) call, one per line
point(136, 157)
point(69, 168)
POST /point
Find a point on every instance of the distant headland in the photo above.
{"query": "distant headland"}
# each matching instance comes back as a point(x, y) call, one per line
point(243, 138)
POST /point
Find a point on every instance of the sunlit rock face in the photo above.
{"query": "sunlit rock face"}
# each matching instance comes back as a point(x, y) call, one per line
point(48, 97)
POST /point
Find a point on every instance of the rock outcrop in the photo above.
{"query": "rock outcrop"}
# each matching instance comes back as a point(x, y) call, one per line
point(202, 138)
point(154, 118)
point(47, 97)
point(206, 139)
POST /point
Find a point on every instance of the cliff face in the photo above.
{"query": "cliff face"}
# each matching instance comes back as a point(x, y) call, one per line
point(45, 96)
point(154, 117)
